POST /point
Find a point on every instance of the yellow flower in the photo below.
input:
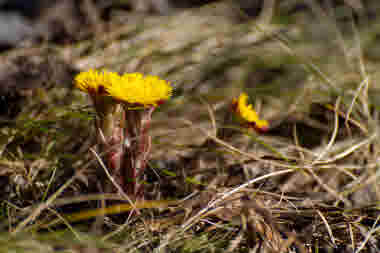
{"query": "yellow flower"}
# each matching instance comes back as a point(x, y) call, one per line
point(247, 113)
point(137, 90)
point(95, 82)
point(133, 89)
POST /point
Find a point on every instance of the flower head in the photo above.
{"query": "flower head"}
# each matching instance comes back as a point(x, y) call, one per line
point(95, 82)
point(137, 90)
point(246, 113)
point(133, 89)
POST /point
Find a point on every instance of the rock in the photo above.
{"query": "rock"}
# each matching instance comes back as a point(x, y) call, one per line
point(14, 28)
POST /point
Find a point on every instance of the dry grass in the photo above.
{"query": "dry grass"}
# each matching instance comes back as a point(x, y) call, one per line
point(308, 185)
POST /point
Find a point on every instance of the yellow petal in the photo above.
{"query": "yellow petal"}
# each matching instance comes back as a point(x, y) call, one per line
point(247, 113)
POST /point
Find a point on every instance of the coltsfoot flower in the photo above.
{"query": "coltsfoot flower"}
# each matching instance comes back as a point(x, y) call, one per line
point(137, 90)
point(124, 105)
point(132, 88)
point(248, 114)
point(95, 82)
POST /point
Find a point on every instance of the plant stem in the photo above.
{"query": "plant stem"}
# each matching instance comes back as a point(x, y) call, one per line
point(137, 143)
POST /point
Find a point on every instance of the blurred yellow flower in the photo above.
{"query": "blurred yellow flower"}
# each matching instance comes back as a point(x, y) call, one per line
point(247, 113)
point(137, 90)
point(95, 82)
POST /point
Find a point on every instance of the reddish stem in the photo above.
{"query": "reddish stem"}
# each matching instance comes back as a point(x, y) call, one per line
point(136, 150)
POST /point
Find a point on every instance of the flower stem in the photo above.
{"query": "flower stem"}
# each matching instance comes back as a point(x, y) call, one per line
point(137, 144)
point(110, 137)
